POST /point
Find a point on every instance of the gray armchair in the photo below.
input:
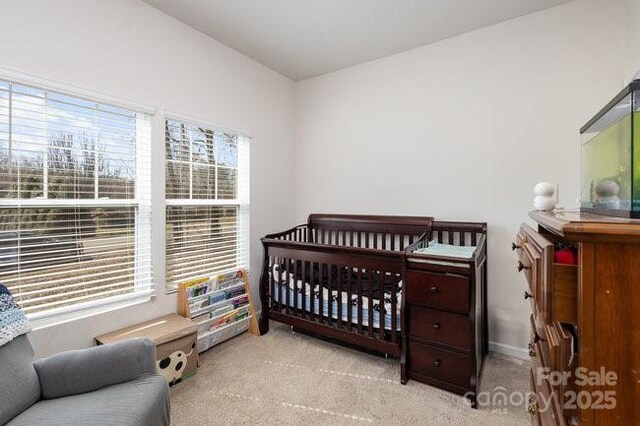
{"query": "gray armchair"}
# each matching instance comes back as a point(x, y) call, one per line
point(114, 384)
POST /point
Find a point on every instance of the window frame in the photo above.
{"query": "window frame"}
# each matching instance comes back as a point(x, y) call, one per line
point(157, 186)
point(141, 201)
point(241, 202)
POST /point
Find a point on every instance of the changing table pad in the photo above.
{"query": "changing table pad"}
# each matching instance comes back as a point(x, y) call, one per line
point(448, 250)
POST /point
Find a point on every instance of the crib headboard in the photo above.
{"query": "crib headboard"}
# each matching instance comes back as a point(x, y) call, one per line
point(405, 225)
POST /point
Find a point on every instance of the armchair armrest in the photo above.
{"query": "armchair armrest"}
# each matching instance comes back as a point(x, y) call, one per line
point(87, 370)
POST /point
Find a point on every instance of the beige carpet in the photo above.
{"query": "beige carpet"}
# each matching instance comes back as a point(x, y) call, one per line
point(286, 378)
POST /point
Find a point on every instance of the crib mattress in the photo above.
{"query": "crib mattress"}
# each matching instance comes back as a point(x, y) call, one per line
point(357, 303)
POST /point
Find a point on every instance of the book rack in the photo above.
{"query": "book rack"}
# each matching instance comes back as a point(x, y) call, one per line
point(221, 306)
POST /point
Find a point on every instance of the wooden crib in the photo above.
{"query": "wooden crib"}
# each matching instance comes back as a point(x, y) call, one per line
point(341, 276)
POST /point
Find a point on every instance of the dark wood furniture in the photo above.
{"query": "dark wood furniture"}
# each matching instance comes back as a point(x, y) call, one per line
point(343, 253)
point(444, 309)
point(371, 258)
point(583, 316)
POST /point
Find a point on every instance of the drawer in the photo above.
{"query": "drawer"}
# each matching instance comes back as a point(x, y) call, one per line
point(538, 334)
point(442, 327)
point(560, 348)
point(528, 265)
point(440, 364)
point(441, 291)
point(553, 286)
point(538, 405)
point(543, 404)
point(539, 353)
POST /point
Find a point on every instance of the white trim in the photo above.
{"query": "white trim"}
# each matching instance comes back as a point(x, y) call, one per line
point(66, 202)
point(201, 202)
point(203, 122)
point(509, 350)
point(21, 77)
point(89, 309)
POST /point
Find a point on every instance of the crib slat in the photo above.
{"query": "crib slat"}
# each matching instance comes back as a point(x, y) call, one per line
point(280, 268)
point(359, 307)
point(394, 310)
point(288, 284)
point(370, 285)
point(304, 289)
point(320, 294)
point(349, 298)
point(359, 239)
point(272, 284)
point(296, 309)
point(473, 239)
point(339, 285)
point(312, 297)
point(330, 296)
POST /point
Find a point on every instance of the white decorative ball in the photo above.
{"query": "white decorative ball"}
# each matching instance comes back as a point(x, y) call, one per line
point(544, 203)
point(544, 189)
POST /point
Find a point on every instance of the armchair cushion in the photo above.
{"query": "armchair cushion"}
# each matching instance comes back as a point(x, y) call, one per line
point(87, 370)
point(19, 385)
point(141, 402)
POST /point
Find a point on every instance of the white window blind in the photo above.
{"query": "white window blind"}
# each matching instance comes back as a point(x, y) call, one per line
point(207, 196)
point(74, 201)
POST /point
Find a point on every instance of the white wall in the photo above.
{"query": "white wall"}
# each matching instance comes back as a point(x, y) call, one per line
point(127, 49)
point(462, 130)
point(467, 125)
point(633, 39)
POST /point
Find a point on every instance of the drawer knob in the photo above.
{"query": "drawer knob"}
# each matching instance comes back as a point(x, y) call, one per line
point(437, 363)
point(436, 326)
point(433, 289)
point(532, 407)
point(522, 267)
point(514, 246)
point(527, 295)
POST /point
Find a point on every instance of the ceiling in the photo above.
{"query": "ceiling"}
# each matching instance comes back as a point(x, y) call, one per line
point(306, 38)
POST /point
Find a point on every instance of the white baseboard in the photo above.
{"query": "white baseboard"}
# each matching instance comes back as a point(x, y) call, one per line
point(509, 350)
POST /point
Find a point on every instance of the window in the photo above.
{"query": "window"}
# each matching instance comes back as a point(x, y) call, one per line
point(207, 196)
point(74, 201)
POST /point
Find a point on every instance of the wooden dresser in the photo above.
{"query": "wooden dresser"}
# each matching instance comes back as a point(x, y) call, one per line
point(444, 331)
point(585, 318)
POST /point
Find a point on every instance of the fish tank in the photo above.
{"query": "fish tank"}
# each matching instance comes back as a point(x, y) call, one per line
point(610, 166)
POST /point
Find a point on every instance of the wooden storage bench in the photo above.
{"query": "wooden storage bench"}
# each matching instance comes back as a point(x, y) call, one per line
point(175, 338)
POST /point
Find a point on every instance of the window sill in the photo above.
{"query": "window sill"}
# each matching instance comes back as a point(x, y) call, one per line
point(46, 320)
